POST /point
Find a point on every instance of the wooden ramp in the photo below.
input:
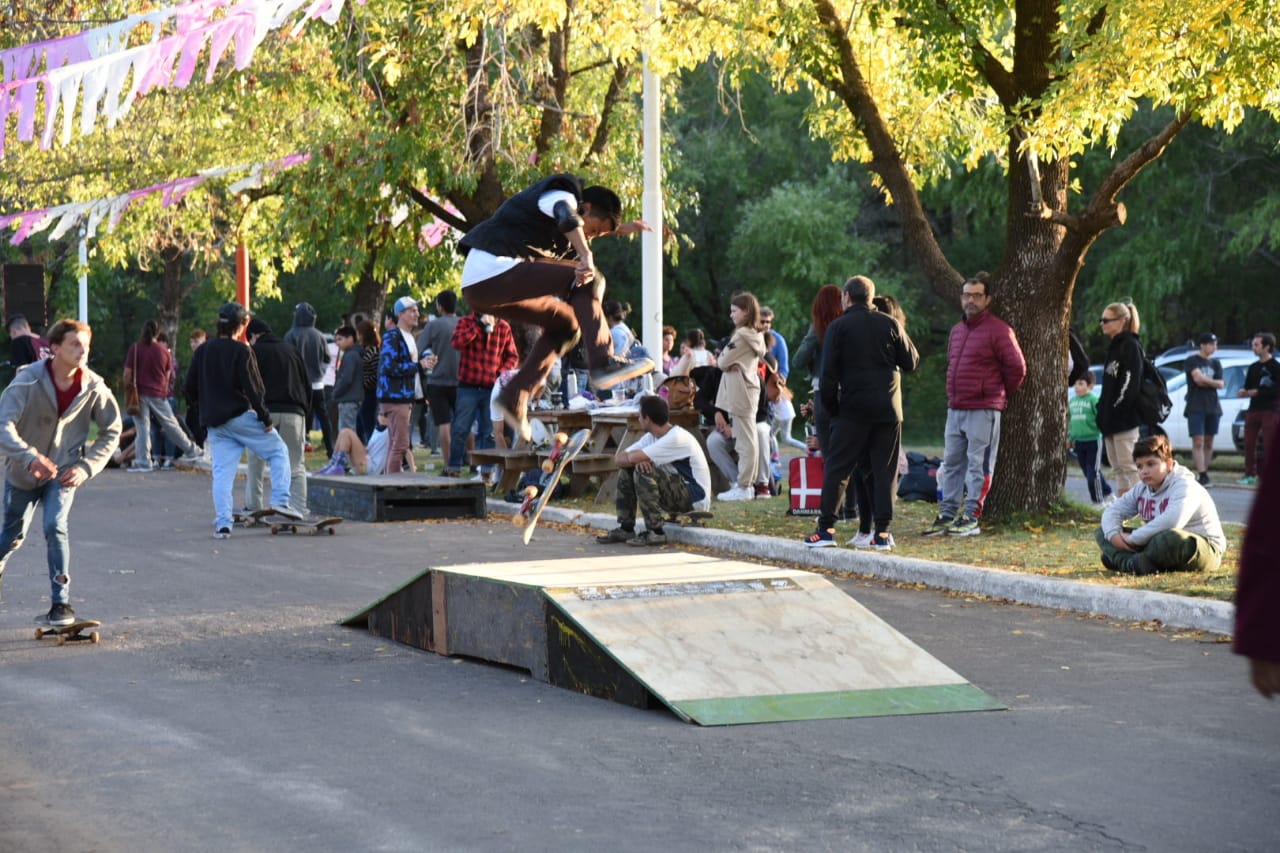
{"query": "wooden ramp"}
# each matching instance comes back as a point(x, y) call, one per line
point(717, 641)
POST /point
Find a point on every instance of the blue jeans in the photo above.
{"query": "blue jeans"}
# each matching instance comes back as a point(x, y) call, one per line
point(226, 444)
point(19, 506)
point(472, 406)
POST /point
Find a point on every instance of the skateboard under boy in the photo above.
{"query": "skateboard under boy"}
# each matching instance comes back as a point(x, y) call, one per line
point(312, 526)
point(70, 633)
point(562, 453)
point(692, 518)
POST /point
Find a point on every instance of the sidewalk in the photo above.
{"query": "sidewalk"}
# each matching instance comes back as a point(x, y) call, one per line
point(1096, 599)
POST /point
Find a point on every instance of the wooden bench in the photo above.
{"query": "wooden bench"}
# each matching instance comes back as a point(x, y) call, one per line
point(395, 497)
point(513, 460)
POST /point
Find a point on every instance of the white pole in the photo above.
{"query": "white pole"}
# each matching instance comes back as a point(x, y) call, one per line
point(84, 277)
point(651, 201)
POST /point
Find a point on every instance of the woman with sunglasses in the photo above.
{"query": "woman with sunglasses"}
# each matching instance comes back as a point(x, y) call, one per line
point(1118, 418)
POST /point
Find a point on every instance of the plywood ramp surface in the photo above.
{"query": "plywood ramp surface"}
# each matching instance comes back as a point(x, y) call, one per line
point(722, 641)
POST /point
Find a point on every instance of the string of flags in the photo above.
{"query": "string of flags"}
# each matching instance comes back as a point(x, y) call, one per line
point(65, 217)
point(91, 68)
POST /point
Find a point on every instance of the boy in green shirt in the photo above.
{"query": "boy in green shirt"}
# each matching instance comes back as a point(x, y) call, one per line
point(1086, 439)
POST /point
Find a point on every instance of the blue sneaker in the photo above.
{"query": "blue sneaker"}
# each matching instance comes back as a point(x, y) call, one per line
point(821, 538)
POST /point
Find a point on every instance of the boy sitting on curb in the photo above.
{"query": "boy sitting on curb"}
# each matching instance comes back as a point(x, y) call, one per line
point(1181, 532)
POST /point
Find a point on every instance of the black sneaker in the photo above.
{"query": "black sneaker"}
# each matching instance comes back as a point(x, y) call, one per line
point(222, 533)
point(615, 536)
point(940, 525)
point(648, 537)
point(618, 370)
point(1203, 479)
point(59, 615)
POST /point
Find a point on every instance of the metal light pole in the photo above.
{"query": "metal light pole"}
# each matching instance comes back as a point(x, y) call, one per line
point(651, 201)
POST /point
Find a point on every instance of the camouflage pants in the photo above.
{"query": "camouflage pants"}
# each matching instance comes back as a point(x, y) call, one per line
point(654, 494)
point(1168, 551)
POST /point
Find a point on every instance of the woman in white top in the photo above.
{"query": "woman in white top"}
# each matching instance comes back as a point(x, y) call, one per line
point(693, 353)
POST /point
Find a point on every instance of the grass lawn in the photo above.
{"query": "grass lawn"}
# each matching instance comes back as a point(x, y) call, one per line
point(1058, 543)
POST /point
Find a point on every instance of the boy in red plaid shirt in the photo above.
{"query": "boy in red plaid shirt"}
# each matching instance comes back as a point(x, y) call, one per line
point(485, 348)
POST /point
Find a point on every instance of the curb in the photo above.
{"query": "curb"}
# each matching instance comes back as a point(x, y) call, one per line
point(1178, 611)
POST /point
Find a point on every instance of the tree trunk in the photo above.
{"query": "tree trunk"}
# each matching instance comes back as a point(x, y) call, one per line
point(169, 307)
point(370, 293)
point(1033, 294)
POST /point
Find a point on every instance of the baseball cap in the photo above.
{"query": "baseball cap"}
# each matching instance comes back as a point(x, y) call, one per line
point(232, 314)
point(258, 326)
point(1207, 338)
point(405, 302)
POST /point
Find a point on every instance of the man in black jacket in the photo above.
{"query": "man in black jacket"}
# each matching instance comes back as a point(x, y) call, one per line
point(224, 382)
point(287, 393)
point(864, 353)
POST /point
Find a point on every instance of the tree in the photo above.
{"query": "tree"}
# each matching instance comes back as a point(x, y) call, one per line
point(919, 88)
point(460, 105)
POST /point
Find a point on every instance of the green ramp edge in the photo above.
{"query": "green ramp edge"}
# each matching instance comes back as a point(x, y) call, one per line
point(933, 699)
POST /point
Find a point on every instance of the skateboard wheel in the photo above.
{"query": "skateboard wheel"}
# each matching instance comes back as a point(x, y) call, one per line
point(518, 519)
point(39, 633)
point(94, 638)
point(274, 530)
point(62, 639)
point(562, 438)
point(547, 467)
point(331, 530)
point(530, 491)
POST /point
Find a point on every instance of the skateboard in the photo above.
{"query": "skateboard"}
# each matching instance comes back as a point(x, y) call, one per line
point(562, 453)
point(692, 518)
point(72, 632)
point(312, 526)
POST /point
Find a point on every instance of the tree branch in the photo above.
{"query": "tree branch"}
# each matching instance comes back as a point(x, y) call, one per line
point(617, 88)
point(886, 160)
point(430, 204)
point(999, 78)
point(1103, 211)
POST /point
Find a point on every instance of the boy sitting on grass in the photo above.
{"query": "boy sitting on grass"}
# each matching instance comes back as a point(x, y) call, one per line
point(1181, 531)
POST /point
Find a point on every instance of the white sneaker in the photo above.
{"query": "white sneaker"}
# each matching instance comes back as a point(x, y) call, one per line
point(738, 493)
point(863, 540)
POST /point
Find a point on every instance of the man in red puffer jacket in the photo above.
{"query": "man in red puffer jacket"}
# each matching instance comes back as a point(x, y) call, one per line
point(984, 367)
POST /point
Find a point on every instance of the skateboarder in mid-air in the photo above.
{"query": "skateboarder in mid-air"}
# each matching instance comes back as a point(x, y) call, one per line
point(45, 417)
point(517, 268)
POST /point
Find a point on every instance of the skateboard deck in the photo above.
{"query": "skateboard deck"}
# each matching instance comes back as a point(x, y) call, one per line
point(70, 633)
point(692, 518)
point(312, 526)
point(567, 452)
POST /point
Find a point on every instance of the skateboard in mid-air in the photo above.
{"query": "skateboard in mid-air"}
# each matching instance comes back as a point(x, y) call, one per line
point(692, 518)
point(562, 453)
point(70, 633)
point(307, 525)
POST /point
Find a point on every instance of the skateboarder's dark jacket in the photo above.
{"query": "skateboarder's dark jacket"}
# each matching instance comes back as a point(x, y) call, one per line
point(224, 381)
point(284, 377)
point(519, 229)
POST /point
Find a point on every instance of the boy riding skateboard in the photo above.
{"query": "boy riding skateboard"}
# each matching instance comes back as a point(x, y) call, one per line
point(518, 268)
point(45, 417)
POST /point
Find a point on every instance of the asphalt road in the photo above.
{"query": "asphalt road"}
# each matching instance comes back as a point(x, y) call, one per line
point(227, 710)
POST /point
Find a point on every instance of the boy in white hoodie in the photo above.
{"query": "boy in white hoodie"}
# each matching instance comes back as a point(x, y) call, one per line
point(1181, 531)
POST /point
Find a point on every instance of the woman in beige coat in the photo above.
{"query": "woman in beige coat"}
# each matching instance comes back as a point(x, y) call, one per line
point(739, 393)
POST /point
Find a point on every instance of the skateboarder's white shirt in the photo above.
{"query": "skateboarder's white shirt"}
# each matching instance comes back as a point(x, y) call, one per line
point(677, 445)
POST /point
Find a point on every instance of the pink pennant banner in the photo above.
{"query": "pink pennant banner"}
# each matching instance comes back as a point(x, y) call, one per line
point(79, 69)
point(33, 221)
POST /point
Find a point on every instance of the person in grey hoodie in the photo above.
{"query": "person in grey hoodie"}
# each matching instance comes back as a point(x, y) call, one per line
point(1180, 531)
point(46, 414)
point(310, 344)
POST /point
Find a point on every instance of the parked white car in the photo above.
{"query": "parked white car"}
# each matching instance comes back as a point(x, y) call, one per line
point(1234, 366)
